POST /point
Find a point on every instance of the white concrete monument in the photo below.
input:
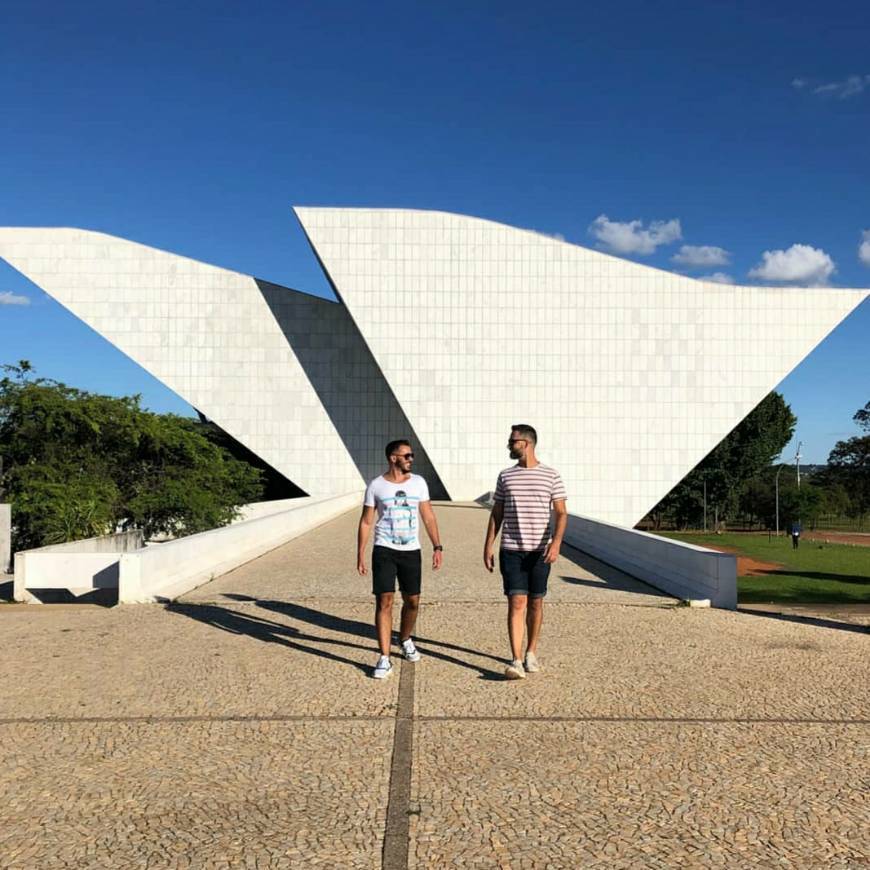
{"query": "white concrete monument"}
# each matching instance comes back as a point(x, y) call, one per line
point(447, 330)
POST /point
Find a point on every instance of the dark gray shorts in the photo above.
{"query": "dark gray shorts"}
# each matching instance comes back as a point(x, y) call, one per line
point(524, 573)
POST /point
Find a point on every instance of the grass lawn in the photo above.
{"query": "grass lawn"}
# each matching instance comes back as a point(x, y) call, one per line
point(815, 573)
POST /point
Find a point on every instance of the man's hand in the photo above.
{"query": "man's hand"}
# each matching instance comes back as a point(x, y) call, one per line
point(366, 521)
point(437, 559)
point(552, 552)
point(488, 559)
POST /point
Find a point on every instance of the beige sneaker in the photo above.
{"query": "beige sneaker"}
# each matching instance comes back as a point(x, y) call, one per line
point(514, 671)
point(532, 663)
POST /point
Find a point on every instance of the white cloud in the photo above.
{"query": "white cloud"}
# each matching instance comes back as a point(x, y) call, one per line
point(864, 248)
point(701, 256)
point(7, 297)
point(798, 83)
point(631, 237)
point(718, 278)
point(851, 86)
point(800, 264)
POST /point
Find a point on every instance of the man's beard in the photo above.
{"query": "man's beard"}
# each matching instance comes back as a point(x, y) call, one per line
point(515, 454)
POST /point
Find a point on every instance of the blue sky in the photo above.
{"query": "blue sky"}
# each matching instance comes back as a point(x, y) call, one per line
point(194, 127)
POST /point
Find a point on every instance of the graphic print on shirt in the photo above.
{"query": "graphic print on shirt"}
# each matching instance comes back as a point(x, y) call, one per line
point(401, 515)
point(398, 506)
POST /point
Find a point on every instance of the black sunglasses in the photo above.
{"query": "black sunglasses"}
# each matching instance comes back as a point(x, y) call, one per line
point(404, 455)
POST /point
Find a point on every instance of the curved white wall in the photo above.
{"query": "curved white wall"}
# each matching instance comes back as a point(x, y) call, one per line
point(630, 374)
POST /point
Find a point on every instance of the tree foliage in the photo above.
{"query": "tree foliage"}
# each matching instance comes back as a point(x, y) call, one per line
point(742, 454)
point(742, 482)
point(849, 466)
point(862, 418)
point(75, 464)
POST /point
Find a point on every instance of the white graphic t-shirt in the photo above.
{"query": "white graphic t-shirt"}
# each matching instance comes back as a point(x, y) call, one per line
point(398, 507)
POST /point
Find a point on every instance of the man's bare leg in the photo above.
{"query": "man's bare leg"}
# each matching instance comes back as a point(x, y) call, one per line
point(534, 618)
point(384, 621)
point(517, 624)
point(410, 607)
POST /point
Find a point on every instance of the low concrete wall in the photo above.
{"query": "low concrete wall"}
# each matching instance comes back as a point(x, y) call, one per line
point(5, 539)
point(683, 570)
point(77, 566)
point(257, 509)
point(162, 572)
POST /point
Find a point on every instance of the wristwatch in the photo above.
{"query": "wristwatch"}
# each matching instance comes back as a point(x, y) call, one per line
point(437, 548)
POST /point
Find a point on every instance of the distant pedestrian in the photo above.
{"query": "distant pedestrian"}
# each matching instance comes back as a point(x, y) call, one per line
point(525, 496)
point(401, 501)
point(795, 535)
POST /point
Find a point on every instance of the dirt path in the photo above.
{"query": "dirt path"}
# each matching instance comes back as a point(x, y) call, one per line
point(746, 565)
point(855, 538)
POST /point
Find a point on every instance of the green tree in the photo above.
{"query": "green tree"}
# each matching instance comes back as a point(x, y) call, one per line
point(862, 418)
point(76, 464)
point(748, 449)
point(849, 467)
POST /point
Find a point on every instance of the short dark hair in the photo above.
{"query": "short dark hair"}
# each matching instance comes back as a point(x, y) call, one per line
point(526, 431)
point(393, 446)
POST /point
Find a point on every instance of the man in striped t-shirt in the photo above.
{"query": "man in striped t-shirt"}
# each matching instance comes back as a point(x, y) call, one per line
point(525, 495)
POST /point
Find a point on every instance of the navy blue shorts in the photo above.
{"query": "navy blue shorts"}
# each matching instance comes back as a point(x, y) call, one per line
point(524, 573)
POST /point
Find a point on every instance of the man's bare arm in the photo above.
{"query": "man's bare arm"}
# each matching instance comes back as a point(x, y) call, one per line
point(495, 517)
point(561, 511)
point(428, 517)
point(366, 521)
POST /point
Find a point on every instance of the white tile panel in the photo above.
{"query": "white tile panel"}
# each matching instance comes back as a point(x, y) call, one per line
point(630, 374)
point(205, 332)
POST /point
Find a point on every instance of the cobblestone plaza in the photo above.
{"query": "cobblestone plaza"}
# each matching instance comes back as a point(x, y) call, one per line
point(240, 728)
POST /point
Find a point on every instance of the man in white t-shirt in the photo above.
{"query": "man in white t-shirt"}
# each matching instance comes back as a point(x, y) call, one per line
point(400, 500)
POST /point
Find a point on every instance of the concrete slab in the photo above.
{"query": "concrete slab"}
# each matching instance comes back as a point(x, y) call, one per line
point(241, 728)
point(213, 794)
point(618, 795)
point(623, 661)
point(243, 660)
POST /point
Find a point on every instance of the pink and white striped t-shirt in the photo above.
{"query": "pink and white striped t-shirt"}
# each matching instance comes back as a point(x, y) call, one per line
point(528, 495)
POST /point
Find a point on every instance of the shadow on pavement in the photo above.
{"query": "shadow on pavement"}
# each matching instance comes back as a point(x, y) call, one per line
point(818, 621)
point(816, 575)
point(265, 630)
point(276, 632)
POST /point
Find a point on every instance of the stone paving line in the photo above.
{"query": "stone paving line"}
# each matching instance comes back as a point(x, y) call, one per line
point(240, 728)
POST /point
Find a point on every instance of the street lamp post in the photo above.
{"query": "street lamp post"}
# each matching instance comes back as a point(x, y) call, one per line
point(705, 504)
point(778, 472)
point(797, 463)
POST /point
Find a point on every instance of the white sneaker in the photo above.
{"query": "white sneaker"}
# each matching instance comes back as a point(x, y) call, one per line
point(383, 668)
point(515, 671)
point(409, 651)
point(532, 663)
